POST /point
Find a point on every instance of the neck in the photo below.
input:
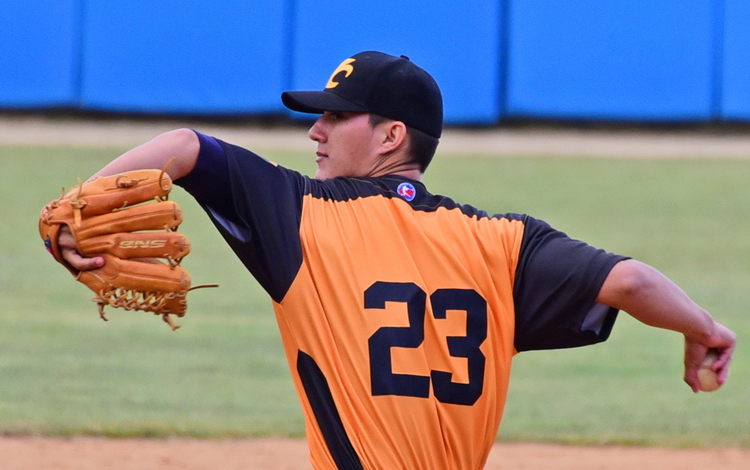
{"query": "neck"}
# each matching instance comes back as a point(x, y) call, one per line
point(397, 163)
point(414, 174)
point(399, 168)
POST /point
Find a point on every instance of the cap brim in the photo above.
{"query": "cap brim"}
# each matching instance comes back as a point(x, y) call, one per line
point(319, 102)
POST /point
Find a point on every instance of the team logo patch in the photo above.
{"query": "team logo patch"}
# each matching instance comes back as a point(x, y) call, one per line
point(407, 191)
point(346, 67)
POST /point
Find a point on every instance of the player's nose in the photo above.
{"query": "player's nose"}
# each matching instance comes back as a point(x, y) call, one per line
point(316, 131)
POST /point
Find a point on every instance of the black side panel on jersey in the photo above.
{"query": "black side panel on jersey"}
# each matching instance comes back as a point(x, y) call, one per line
point(321, 401)
point(256, 207)
point(557, 281)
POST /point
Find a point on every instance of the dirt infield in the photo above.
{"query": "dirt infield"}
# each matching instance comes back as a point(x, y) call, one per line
point(534, 139)
point(281, 454)
point(86, 453)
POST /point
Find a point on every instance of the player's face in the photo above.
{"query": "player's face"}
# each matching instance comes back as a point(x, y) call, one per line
point(347, 145)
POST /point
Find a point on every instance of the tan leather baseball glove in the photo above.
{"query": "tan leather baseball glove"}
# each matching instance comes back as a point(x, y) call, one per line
point(127, 220)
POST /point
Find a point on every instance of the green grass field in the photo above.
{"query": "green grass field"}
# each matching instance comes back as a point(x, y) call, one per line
point(65, 372)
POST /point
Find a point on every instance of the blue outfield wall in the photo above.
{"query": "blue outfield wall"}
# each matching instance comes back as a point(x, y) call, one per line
point(736, 61)
point(459, 46)
point(39, 53)
point(673, 60)
point(176, 56)
point(586, 59)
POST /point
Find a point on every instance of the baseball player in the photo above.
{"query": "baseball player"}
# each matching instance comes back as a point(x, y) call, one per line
point(401, 310)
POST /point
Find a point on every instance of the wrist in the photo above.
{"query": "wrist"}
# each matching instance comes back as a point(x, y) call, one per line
point(701, 331)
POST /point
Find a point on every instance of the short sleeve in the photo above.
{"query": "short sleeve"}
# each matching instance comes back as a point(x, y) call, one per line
point(256, 206)
point(556, 285)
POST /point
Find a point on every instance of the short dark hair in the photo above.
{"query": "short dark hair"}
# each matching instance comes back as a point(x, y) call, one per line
point(422, 146)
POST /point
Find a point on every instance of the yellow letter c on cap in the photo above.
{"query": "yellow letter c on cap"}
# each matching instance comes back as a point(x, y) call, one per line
point(346, 67)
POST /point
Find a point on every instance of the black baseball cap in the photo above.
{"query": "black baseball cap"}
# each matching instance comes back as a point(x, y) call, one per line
point(377, 83)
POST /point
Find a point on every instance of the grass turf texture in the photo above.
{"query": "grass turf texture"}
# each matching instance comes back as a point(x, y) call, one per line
point(64, 372)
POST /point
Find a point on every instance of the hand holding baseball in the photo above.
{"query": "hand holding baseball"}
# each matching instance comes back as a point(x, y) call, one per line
point(707, 378)
point(707, 362)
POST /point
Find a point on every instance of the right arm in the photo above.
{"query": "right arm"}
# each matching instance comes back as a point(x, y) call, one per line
point(182, 145)
point(655, 300)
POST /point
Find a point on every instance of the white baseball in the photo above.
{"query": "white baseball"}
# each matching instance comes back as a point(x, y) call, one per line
point(706, 376)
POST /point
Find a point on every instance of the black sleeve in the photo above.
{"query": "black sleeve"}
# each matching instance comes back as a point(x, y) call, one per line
point(256, 206)
point(557, 281)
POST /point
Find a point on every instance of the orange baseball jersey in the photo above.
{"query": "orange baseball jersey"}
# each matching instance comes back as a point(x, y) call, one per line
point(400, 311)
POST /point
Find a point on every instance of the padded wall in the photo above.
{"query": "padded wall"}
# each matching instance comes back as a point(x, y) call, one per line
point(173, 56)
point(39, 53)
point(736, 61)
point(635, 59)
point(458, 43)
point(673, 60)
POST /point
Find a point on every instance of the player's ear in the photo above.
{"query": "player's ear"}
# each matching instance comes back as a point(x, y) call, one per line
point(393, 136)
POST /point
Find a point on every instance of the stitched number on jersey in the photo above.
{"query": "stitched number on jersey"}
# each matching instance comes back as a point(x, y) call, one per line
point(385, 382)
point(462, 346)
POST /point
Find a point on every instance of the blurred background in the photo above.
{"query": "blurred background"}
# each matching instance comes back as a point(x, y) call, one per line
point(496, 60)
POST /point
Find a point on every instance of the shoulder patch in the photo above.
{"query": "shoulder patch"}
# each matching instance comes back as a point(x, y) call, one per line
point(407, 191)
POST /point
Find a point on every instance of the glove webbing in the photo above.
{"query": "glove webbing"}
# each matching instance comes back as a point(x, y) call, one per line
point(137, 300)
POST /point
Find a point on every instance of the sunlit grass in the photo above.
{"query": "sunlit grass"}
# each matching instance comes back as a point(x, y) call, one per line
point(65, 372)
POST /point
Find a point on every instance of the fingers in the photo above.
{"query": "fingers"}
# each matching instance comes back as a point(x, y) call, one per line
point(722, 342)
point(694, 355)
point(69, 252)
point(80, 263)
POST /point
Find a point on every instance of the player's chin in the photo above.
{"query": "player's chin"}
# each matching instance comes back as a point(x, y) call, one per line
point(323, 173)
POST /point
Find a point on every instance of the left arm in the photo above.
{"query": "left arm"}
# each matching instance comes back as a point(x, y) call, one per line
point(652, 298)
